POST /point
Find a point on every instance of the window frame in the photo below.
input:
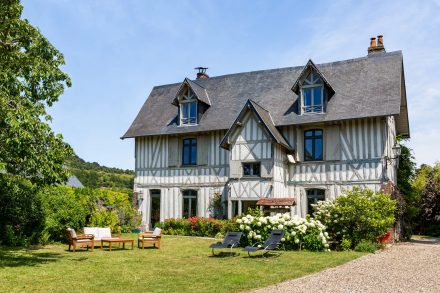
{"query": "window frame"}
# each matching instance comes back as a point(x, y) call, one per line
point(187, 98)
point(313, 194)
point(190, 146)
point(193, 194)
point(314, 137)
point(314, 81)
point(252, 170)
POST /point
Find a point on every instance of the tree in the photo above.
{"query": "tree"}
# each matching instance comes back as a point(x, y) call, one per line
point(430, 201)
point(410, 201)
point(30, 81)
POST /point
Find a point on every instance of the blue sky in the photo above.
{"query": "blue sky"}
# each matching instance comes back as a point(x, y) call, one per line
point(116, 51)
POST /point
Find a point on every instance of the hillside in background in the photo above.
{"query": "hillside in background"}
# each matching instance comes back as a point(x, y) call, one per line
point(94, 175)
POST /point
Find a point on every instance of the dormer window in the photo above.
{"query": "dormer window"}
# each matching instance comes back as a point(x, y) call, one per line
point(188, 108)
point(312, 91)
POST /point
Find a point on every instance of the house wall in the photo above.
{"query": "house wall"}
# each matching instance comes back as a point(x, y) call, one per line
point(355, 154)
point(154, 170)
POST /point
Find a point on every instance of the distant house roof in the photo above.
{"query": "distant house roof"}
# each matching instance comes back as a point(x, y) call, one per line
point(74, 182)
point(370, 86)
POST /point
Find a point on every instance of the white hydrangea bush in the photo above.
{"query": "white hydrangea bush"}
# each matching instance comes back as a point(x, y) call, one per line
point(300, 233)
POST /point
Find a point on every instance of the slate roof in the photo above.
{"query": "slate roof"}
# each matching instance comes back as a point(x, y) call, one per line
point(266, 120)
point(370, 86)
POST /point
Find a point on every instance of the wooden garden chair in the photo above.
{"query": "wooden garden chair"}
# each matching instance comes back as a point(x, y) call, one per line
point(150, 237)
point(80, 240)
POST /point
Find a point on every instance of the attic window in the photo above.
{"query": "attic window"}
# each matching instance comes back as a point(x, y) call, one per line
point(188, 108)
point(312, 91)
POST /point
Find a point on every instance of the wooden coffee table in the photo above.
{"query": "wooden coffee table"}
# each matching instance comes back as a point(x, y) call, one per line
point(110, 242)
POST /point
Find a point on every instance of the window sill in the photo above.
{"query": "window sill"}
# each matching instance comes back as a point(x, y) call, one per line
point(312, 113)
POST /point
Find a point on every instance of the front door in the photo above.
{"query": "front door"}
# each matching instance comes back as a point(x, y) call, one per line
point(155, 207)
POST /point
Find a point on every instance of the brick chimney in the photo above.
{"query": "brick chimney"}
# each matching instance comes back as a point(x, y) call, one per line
point(376, 48)
point(201, 72)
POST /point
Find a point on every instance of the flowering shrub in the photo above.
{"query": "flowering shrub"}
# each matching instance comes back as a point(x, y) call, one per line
point(300, 234)
point(195, 226)
point(358, 215)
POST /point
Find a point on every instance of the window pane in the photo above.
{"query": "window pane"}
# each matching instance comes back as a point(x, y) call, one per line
point(186, 155)
point(246, 169)
point(318, 149)
point(308, 149)
point(193, 112)
point(256, 170)
point(318, 132)
point(308, 133)
point(317, 96)
point(193, 207)
point(307, 97)
point(185, 213)
point(194, 154)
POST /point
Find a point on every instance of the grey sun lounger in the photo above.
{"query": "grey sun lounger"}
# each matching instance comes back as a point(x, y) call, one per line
point(272, 243)
point(231, 241)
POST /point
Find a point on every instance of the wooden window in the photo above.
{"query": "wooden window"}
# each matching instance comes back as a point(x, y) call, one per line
point(189, 151)
point(188, 108)
point(313, 196)
point(252, 169)
point(312, 94)
point(189, 203)
point(313, 147)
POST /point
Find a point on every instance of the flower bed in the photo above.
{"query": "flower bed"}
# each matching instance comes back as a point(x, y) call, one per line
point(196, 226)
point(300, 234)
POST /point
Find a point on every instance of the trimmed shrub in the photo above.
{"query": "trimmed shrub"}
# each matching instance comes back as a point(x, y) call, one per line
point(358, 215)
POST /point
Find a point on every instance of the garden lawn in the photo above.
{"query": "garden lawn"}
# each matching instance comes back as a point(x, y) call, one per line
point(183, 264)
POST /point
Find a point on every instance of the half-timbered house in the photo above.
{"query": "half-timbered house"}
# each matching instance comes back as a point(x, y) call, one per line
point(307, 132)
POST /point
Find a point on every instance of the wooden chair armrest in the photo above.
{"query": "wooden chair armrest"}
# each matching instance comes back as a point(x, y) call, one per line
point(85, 236)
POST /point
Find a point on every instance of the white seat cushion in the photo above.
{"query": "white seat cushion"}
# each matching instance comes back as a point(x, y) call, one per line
point(104, 233)
point(91, 230)
point(84, 240)
point(72, 233)
point(157, 231)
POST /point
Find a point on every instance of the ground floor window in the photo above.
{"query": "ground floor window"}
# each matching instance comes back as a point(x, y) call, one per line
point(154, 207)
point(235, 211)
point(242, 206)
point(248, 204)
point(313, 196)
point(189, 203)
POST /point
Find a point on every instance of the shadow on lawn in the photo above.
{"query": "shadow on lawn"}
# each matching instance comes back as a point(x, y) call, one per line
point(17, 257)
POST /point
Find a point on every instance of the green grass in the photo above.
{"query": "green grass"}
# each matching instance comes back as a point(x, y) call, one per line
point(182, 264)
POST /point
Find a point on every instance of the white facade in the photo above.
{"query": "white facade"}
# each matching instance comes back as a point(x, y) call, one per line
point(355, 153)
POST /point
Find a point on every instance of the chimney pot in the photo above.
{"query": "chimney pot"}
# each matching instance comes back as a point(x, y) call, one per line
point(380, 40)
point(201, 72)
point(376, 48)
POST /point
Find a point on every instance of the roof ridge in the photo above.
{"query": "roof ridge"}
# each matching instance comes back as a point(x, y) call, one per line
point(289, 68)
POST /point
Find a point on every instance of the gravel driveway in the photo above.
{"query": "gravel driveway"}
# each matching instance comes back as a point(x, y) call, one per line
point(404, 267)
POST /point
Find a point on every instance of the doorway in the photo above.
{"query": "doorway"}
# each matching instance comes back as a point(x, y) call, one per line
point(154, 207)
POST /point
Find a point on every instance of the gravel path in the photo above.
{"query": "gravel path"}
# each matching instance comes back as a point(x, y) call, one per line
point(404, 267)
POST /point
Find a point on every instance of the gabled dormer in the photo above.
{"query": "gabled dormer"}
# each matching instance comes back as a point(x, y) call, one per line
point(313, 90)
point(192, 101)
